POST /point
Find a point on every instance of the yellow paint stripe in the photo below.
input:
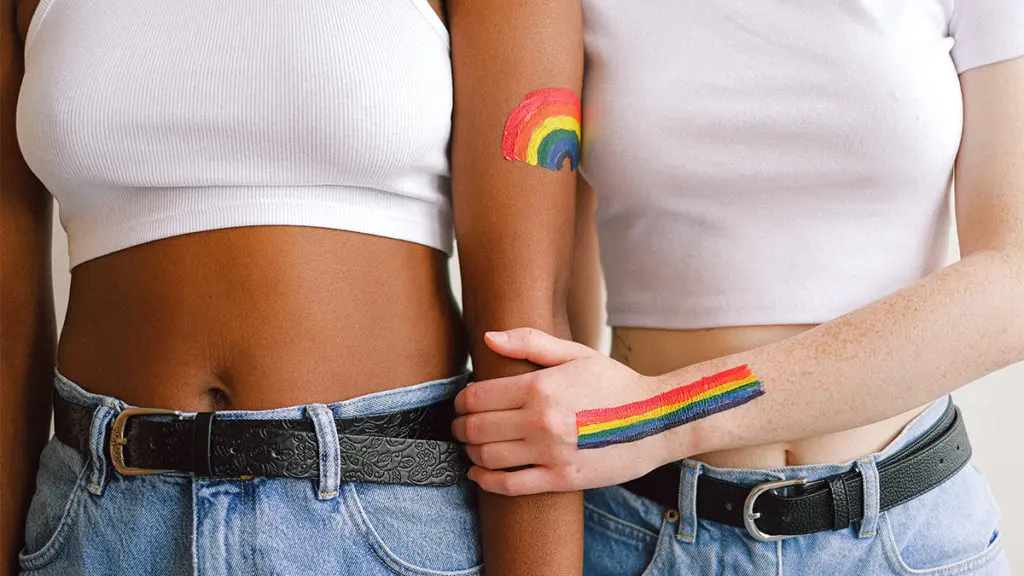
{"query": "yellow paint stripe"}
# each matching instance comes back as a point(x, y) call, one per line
point(662, 410)
point(547, 127)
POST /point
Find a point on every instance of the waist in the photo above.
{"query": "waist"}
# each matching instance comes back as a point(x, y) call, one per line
point(654, 351)
point(260, 317)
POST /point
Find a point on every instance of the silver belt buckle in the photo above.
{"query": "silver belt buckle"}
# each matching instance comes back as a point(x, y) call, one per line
point(750, 517)
point(118, 439)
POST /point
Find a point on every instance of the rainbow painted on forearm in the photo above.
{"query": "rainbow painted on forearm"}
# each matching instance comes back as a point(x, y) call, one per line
point(544, 130)
point(631, 422)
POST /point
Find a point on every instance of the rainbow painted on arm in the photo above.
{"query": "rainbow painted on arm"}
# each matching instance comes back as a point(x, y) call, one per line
point(630, 422)
point(544, 130)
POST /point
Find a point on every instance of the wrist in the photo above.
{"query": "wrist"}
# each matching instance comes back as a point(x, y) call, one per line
point(682, 441)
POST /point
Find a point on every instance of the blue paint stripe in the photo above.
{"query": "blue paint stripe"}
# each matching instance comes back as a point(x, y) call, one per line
point(679, 418)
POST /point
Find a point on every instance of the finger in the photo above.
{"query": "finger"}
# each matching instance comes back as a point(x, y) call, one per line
point(484, 427)
point(497, 394)
point(536, 346)
point(519, 483)
point(499, 455)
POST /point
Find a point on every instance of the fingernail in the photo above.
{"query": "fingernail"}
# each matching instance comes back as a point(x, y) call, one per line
point(499, 337)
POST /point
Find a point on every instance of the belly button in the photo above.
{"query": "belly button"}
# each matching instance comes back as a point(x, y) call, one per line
point(218, 398)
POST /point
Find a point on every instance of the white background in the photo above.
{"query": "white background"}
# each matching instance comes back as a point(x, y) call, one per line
point(993, 408)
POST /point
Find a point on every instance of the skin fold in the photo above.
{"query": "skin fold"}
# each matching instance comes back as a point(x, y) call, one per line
point(878, 364)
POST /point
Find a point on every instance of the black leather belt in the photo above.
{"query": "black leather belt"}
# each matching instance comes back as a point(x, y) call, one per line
point(409, 447)
point(777, 510)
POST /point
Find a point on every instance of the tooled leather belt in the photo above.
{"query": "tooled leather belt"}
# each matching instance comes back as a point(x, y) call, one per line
point(410, 447)
point(777, 510)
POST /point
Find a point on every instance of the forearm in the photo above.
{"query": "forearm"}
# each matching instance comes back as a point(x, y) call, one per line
point(515, 137)
point(542, 533)
point(881, 360)
point(526, 535)
point(585, 303)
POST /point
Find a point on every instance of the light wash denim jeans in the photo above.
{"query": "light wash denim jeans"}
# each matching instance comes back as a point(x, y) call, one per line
point(951, 530)
point(85, 518)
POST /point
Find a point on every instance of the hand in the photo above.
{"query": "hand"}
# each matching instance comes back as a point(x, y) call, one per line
point(530, 420)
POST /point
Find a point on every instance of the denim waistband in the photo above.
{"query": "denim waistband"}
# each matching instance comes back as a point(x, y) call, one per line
point(106, 409)
point(867, 465)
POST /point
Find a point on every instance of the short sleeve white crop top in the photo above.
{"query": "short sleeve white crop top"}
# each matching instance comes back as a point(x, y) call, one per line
point(778, 161)
point(148, 119)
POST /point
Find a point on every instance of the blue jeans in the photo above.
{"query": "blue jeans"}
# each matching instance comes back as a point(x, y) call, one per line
point(952, 529)
point(85, 518)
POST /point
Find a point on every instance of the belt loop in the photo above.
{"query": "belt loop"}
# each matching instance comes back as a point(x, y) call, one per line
point(687, 502)
point(869, 472)
point(202, 433)
point(329, 450)
point(99, 447)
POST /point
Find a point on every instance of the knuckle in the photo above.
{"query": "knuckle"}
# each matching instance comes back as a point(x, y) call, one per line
point(505, 485)
point(540, 388)
point(568, 476)
point(487, 457)
point(552, 423)
point(470, 398)
point(473, 430)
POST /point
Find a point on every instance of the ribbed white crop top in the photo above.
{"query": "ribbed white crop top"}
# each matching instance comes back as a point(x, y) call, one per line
point(148, 119)
point(777, 161)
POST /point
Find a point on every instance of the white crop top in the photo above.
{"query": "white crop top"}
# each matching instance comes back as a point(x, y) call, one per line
point(152, 118)
point(778, 161)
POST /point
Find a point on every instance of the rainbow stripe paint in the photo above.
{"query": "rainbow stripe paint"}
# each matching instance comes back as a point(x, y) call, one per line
point(544, 130)
point(631, 422)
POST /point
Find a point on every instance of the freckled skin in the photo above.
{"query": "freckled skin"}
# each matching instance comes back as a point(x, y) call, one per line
point(845, 388)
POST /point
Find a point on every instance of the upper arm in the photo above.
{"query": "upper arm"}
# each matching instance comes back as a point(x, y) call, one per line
point(24, 204)
point(27, 337)
point(513, 221)
point(990, 165)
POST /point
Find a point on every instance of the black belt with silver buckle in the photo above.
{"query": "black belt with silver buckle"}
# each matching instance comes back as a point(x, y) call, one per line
point(787, 508)
point(409, 447)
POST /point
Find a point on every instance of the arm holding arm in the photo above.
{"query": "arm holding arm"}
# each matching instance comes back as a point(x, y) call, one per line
point(514, 226)
point(902, 351)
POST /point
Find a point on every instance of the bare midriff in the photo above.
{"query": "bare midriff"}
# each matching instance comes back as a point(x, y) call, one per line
point(260, 317)
point(654, 352)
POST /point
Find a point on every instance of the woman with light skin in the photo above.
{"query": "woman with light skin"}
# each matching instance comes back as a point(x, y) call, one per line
point(261, 350)
point(773, 190)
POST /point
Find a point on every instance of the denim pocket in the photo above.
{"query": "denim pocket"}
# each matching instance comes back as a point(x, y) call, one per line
point(954, 529)
point(60, 486)
point(621, 532)
point(418, 530)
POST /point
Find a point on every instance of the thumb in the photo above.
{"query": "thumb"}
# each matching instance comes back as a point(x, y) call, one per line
point(536, 346)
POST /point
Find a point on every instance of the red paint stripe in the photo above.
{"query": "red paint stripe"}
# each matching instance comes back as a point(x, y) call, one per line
point(674, 396)
point(530, 104)
point(531, 124)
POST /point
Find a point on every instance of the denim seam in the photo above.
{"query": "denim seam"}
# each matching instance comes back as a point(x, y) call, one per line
point(960, 567)
point(380, 549)
point(72, 508)
point(616, 521)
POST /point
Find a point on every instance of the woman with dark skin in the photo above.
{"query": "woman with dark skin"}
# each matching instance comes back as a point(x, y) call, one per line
point(261, 317)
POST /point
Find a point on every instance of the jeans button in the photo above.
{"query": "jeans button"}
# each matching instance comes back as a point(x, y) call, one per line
point(672, 516)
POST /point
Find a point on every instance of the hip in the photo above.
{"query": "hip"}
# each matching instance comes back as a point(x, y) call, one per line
point(948, 530)
point(87, 518)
